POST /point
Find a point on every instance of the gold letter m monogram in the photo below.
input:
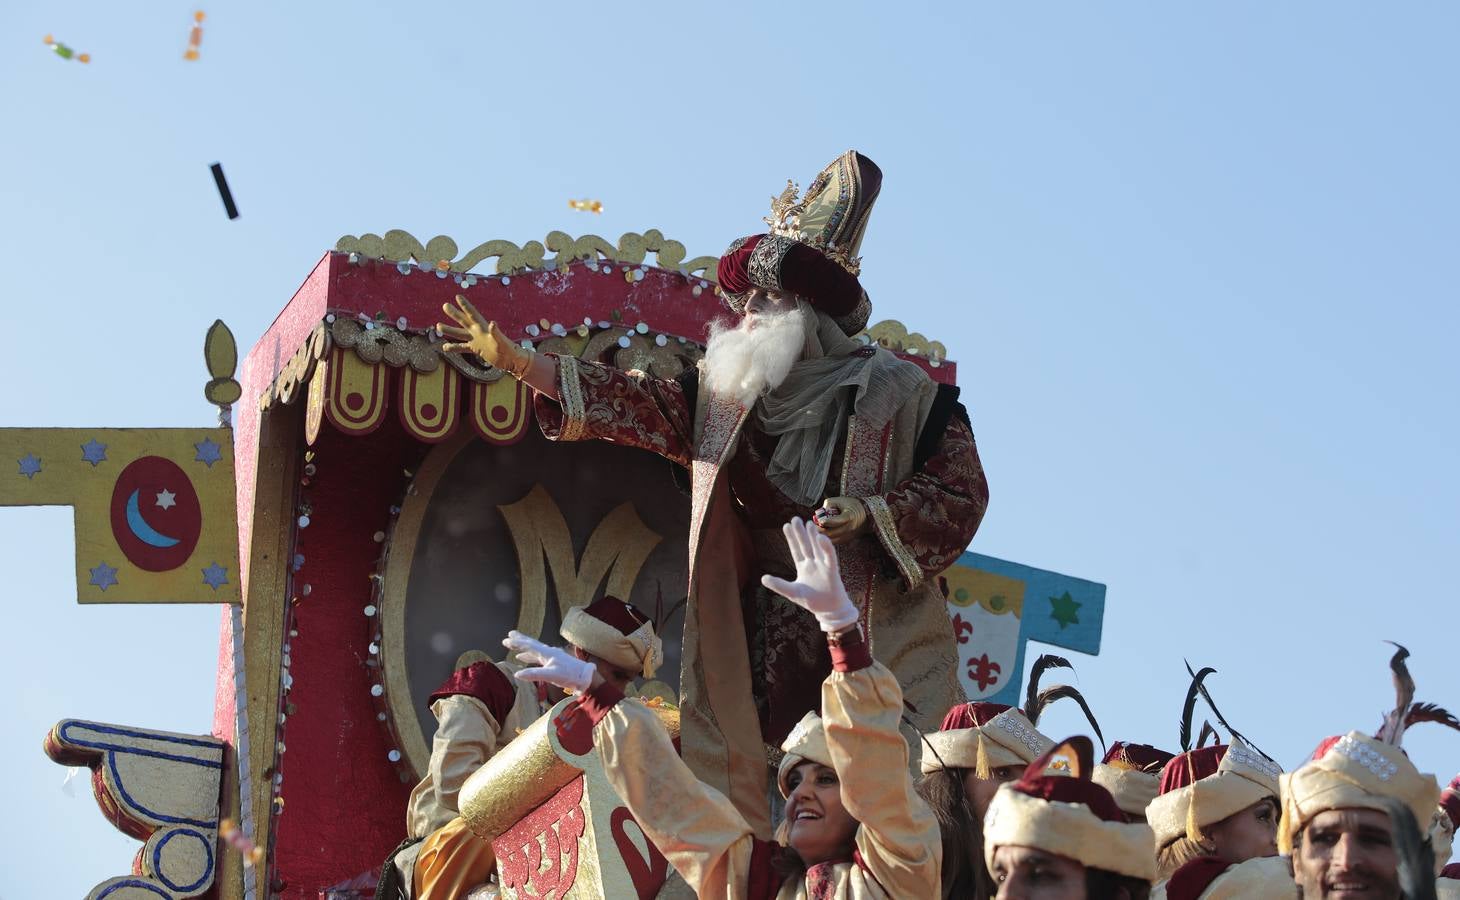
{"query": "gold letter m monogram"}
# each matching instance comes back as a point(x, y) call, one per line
point(617, 549)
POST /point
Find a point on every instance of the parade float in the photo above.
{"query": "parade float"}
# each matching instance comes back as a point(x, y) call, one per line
point(370, 508)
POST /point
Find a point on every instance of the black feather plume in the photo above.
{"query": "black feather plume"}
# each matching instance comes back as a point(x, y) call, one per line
point(1045, 662)
point(1190, 706)
point(1222, 720)
point(1060, 692)
point(1207, 729)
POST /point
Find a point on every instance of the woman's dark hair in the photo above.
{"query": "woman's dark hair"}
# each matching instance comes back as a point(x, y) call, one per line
point(964, 873)
point(1102, 883)
point(784, 860)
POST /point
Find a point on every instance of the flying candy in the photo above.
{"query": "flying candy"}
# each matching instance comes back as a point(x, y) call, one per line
point(65, 52)
point(195, 37)
point(228, 205)
point(240, 842)
point(593, 206)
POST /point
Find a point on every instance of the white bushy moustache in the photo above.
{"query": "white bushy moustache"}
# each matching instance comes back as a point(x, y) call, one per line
point(745, 363)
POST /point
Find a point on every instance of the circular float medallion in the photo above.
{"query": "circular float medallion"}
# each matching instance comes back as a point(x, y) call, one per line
point(156, 517)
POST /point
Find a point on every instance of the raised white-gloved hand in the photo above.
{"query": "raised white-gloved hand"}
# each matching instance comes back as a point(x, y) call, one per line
point(818, 586)
point(550, 664)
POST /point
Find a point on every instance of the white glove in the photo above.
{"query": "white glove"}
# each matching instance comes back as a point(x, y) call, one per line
point(550, 664)
point(818, 586)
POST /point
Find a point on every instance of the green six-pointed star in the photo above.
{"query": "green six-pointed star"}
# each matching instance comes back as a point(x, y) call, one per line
point(1064, 610)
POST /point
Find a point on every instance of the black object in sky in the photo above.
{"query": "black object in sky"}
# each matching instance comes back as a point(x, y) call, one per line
point(223, 191)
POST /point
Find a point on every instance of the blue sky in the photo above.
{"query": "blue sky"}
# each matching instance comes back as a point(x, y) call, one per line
point(1196, 263)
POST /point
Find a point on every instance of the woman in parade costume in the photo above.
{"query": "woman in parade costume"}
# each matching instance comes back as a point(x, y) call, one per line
point(854, 826)
point(1057, 835)
point(979, 747)
point(1219, 801)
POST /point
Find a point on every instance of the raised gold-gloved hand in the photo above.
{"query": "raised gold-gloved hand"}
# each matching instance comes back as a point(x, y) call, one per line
point(841, 518)
point(474, 334)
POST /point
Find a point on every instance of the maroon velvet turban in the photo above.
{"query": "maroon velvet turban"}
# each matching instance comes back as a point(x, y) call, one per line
point(1140, 757)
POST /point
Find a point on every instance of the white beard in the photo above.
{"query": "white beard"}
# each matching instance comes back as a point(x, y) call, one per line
point(745, 364)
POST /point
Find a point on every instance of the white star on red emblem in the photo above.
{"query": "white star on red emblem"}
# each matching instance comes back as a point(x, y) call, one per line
point(166, 499)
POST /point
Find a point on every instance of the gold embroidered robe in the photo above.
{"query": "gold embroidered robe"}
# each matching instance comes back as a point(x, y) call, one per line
point(921, 516)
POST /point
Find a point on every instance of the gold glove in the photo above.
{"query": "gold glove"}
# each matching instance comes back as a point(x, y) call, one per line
point(841, 518)
point(474, 334)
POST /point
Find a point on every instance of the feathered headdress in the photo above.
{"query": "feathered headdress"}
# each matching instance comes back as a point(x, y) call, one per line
point(1356, 771)
point(1199, 688)
point(1406, 711)
point(1036, 700)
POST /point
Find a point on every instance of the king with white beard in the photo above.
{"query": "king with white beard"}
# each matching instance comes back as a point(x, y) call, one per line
point(786, 416)
point(753, 356)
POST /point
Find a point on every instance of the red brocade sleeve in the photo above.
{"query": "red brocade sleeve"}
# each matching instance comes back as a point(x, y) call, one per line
point(610, 404)
point(927, 520)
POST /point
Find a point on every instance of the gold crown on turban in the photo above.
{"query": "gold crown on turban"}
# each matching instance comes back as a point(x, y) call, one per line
point(833, 215)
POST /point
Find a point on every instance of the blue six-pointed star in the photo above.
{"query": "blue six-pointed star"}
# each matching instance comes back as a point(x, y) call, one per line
point(215, 576)
point(208, 452)
point(94, 452)
point(104, 576)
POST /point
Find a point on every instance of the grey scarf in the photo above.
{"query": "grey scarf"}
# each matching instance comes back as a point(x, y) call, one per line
point(807, 409)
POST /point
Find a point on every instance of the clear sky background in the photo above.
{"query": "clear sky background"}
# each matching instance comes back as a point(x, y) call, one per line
point(1197, 264)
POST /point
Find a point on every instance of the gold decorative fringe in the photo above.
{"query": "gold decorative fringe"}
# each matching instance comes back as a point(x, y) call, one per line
point(981, 768)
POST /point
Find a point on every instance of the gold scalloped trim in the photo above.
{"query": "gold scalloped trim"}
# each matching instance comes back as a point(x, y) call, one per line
point(440, 252)
point(385, 343)
point(374, 342)
point(285, 388)
point(894, 335)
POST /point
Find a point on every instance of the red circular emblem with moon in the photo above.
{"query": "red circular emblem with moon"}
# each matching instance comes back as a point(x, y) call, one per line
point(156, 516)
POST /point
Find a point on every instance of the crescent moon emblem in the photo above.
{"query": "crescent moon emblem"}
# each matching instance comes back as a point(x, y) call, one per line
point(144, 532)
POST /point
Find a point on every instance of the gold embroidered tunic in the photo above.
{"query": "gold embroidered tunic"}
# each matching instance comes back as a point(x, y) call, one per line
point(898, 850)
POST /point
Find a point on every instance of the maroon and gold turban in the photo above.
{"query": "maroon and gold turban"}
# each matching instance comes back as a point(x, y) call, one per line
point(1204, 786)
point(615, 630)
point(983, 737)
point(1132, 774)
point(1069, 816)
point(811, 249)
